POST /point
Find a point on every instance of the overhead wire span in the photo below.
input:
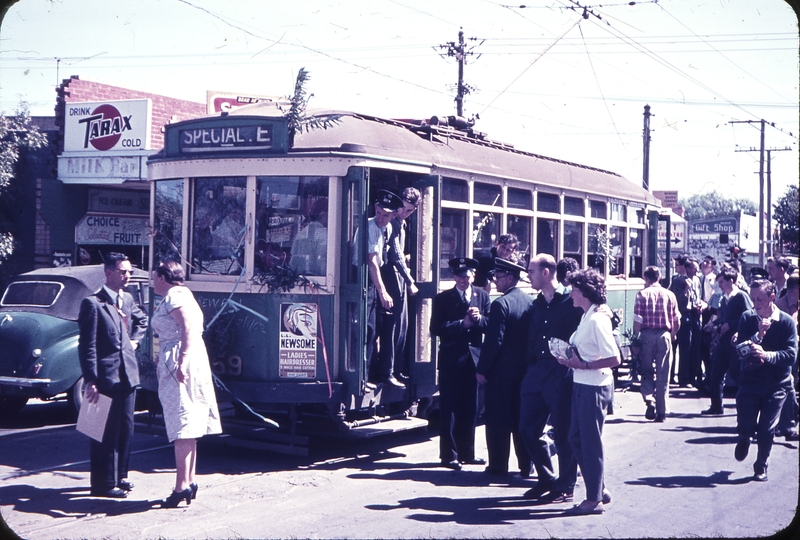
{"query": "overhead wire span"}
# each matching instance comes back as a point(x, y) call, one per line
point(530, 65)
point(602, 95)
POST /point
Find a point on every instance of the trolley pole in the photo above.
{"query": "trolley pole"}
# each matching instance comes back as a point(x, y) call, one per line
point(646, 151)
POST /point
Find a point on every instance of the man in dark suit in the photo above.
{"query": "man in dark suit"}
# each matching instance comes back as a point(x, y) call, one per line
point(459, 319)
point(111, 325)
point(502, 366)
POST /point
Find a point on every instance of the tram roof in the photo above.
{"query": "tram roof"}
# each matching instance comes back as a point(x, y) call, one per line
point(449, 148)
point(444, 148)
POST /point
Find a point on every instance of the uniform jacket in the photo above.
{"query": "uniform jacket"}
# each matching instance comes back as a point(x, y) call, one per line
point(456, 343)
point(105, 343)
point(503, 353)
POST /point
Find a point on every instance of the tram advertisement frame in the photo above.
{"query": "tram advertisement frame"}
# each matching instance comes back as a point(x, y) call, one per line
point(297, 350)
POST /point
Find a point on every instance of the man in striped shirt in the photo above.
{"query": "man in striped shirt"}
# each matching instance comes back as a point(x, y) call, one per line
point(656, 321)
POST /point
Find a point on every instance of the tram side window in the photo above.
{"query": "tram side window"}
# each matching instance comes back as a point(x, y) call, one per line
point(485, 232)
point(616, 242)
point(292, 224)
point(520, 199)
point(547, 202)
point(574, 206)
point(635, 252)
point(598, 209)
point(547, 236)
point(573, 241)
point(168, 220)
point(218, 232)
point(455, 190)
point(488, 194)
point(598, 247)
point(520, 226)
point(451, 239)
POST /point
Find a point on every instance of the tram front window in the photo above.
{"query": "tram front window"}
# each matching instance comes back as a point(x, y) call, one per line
point(292, 224)
point(218, 232)
point(168, 220)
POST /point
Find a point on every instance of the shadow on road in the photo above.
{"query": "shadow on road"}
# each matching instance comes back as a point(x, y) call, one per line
point(474, 511)
point(685, 481)
point(68, 502)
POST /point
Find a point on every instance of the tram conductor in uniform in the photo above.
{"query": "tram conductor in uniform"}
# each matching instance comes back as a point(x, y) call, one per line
point(459, 319)
point(502, 367)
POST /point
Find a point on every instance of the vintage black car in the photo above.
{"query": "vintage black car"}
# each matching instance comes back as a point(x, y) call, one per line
point(39, 333)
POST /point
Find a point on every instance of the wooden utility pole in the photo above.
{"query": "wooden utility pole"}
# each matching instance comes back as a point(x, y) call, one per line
point(762, 242)
point(646, 150)
point(459, 52)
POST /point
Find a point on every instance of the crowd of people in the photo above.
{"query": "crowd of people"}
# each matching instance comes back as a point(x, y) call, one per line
point(546, 361)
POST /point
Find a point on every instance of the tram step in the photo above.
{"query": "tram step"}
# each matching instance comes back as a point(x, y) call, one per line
point(384, 428)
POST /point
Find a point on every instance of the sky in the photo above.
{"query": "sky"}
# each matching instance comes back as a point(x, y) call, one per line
point(559, 78)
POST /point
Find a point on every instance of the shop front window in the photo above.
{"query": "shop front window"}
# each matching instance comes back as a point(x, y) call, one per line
point(292, 224)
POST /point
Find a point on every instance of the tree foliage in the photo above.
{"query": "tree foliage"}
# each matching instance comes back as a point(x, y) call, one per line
point(714, 205)
point(786, 212)
point(16, 133)
point(298, 121)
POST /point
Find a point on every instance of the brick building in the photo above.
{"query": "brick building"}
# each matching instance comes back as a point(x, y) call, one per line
point(96, 198)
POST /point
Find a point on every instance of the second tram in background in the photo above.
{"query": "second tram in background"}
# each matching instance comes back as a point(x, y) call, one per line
point(265, 223)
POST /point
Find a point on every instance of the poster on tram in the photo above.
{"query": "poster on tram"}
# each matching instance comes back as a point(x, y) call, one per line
point(298, 341)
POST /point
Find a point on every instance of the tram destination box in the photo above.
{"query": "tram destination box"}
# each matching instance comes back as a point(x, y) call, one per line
point(234, 136)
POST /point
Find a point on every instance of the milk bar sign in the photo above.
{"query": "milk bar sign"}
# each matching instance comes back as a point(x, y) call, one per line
point(230, 138)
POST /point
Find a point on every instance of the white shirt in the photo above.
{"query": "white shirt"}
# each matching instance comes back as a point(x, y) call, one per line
point(594, 340)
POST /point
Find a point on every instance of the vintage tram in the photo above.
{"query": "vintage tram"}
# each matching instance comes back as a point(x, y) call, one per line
point(265, 221)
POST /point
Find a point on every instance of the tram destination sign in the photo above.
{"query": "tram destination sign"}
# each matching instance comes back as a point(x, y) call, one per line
point(228, 135)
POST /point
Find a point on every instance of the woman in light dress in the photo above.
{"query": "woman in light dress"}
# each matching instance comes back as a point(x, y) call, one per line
point(185, 385)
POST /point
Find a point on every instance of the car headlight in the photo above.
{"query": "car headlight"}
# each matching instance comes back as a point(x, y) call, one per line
point(36, 353)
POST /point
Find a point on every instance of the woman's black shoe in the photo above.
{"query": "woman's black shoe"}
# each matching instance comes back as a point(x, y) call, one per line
point(176, 497)
point(194, 487)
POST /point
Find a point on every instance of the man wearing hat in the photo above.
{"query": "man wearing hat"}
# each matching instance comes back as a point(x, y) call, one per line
point(502, 366)
point(459, 319)
point(380, 321)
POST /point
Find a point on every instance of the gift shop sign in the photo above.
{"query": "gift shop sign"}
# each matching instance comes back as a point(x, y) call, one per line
point(112, 230)
point(99, 127)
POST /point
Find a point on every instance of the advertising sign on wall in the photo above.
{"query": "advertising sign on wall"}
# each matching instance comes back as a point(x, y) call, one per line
point(112, 230)
point(227, 101)
point(107, 126)
point(298, 341)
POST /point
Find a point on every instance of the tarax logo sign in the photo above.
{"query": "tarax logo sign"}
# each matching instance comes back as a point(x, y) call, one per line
point(107, 127)
point(104, 127)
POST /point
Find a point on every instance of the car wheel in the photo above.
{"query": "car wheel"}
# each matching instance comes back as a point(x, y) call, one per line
point(12, 404)
point(75, 397)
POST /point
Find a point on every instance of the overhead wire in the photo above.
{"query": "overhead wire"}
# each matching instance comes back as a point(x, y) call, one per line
point(600, 89)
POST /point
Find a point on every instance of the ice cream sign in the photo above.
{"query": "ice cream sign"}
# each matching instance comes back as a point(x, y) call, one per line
point(107, 126)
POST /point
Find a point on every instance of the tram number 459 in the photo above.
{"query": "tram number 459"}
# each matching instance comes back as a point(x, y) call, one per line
point(231, 366)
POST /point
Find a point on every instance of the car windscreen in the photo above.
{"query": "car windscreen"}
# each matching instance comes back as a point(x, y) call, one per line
point(32, 293)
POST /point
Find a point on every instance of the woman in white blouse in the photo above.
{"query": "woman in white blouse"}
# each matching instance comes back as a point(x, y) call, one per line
point(593, 389)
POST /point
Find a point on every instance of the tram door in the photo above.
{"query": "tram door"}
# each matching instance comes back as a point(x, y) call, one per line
point(424, 247)
point(353, 214)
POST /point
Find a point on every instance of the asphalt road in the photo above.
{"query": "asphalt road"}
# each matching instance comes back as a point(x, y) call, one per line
point(673, 480)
